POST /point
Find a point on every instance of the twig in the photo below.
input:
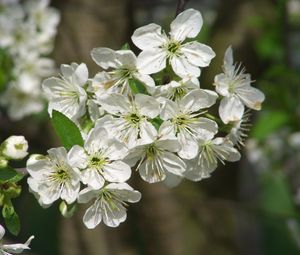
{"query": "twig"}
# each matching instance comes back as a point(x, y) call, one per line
point(180, 6)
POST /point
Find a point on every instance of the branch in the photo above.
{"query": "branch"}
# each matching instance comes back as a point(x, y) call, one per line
point(180, 6)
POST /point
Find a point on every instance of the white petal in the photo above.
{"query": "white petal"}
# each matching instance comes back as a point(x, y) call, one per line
point(198, 54)
point(92, 216)
point(221, 81)
point(92, 178)
point(228, 57)
point(70, 192)
point(66, 71)
point(151, 61)
point(169, 145)
point(148, 37)
point(182, 67)
point(116, 171)
point(81, 75)
point(186, 25)
point(112, 217)
point(169, 110)
point(151, 171)
point(125, 192)
point(148, 106)
point(17, 248)
point(189, 145)
point(116, 150)
point(231, 109)
point(86, 195)
point(173, 163)
point(104, 57)
point(205, 128)
point(126, 59)
point(250, 96)
point(115, 103)
point(147, 132)
point(146, 80)
point(77, 157)
point(198, 99)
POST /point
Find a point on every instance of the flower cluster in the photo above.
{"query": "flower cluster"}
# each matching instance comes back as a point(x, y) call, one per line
point(27, 32)
point(8, 249)
point(145, 113)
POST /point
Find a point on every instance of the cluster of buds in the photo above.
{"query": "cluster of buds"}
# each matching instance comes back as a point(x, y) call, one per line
point(145, 113)
point(27, 32)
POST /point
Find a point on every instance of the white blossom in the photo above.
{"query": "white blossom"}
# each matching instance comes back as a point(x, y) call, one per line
point(124, 68)
point(100, 160)
point(9, 249)
point(175, 90)
point(132, 118)
point(14, 147)
point(109, 205)
point(67, 94)
point(185, 119)
point(157, 47)
point(235, 87)
point(156, 158)
point(53, 177)
point(211, 151)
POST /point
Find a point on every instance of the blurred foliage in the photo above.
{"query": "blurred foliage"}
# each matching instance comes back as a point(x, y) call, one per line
point(280, 82)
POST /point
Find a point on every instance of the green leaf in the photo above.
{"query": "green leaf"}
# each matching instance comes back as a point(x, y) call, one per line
point(8, 174)
point(13, 224)
point(67, 131)
point(268, 123)
point(137, 87)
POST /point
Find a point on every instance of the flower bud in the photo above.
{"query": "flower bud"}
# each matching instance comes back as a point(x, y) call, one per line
point(15, 147)
point(3, 162)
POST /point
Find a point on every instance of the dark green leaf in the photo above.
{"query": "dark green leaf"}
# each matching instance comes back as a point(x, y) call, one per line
point(68, 133)
point(8, 174)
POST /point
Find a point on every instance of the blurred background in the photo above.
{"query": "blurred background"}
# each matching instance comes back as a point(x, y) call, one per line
point(249, 207)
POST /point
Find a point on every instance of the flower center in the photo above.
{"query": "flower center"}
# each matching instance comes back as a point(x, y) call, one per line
point(152, 151)
point(97, 161)
point(173, 48)
point(133, 118)
point(178, 93)
point(61, 174)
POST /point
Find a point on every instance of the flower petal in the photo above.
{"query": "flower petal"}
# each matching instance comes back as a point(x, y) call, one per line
point(231, 109)
point(251, 97)
point(92, 216)
point(151, 61)
point(186, 25)
point(148, 106)
point(116, 171)
point(198, 54)
point(77, 157)
point(182, 67)
point(104, 57)
point(148, 37)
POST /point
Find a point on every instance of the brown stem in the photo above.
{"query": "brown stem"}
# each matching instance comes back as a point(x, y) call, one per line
point(180, 6)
